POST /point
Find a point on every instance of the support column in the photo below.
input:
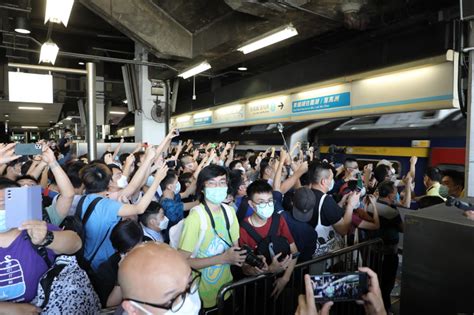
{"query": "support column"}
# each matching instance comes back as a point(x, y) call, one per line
point(91, 115)
point(146, 129)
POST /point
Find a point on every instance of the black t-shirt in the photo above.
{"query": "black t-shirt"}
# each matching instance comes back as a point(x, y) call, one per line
point(62, 146)
point(331, 213)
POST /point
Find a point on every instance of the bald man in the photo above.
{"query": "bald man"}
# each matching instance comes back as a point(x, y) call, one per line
point(156, 279)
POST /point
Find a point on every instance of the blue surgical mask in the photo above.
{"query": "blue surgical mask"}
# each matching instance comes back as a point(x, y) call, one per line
point(3, 221)
point(265, 211)
point(215, 195)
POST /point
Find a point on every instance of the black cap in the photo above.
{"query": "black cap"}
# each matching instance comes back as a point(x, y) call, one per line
point(304, 201)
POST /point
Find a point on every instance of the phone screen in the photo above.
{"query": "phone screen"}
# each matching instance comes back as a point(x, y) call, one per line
point(339, 287)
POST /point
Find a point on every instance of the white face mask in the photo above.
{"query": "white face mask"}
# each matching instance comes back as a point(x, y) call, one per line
point(122, 182)
point(177, 188)
point(163, 225)
point(191, 306)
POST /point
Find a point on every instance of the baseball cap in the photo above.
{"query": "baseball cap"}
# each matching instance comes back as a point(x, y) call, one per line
point(304, 201)
point(385, 162)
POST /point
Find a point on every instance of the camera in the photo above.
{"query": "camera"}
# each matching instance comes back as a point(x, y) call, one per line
point(252, 259)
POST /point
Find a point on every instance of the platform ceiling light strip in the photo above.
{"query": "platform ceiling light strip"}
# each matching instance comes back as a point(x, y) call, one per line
point(49, 52)
point(232, 109)
point(195, 70)
point(183, 119)
point(269, 39)
point(58, 11)
point(116, 113)
point(203, 114)
point(30, 108)
point(29, 127)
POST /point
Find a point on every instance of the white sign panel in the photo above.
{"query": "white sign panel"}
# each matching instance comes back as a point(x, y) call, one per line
point(30, 88)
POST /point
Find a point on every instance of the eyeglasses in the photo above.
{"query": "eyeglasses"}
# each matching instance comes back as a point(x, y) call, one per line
point(212, 184)
point(263, 203)
point(175, 304)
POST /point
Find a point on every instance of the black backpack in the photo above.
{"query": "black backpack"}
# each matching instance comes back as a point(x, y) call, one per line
point(77, 224)
point(272, 244)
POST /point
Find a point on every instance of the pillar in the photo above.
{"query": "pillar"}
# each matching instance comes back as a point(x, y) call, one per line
point(146, 129)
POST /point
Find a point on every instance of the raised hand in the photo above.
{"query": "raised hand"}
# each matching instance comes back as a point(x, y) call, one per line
point(7, 153)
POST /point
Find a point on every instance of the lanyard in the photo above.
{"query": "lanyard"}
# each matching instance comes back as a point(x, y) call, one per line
point(214, 224)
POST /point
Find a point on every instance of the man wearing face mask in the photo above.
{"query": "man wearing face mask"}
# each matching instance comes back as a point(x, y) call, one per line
point(331, 220)
point(171, 200)
point(390, 226)
point(261, 200)
point(153, 222)
point(155, 279)
point(214, 248)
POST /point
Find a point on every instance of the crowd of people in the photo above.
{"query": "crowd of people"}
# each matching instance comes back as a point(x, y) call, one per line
point(157, 230)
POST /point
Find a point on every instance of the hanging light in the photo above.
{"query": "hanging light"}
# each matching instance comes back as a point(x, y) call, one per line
point(22, 25)
point(269, 39)
point(49, 52)
point(195, 70)
point(58, 11)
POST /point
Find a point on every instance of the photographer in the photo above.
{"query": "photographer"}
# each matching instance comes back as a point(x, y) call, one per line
point(65, 145)
point(267, 225)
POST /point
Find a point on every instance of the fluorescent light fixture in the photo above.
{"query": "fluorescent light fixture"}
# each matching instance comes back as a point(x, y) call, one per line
point(183, 119)
point(195, 70)
point(269, 39)
point(232, 109)
point(68, 118)
point(39, 87)
point(203, 114)
point(49, 52)
point(58, 11)
point(81, 63)
point(29, 127)
point(116, 113)
point(30, 108)
point(125, 101)
point(242, 68)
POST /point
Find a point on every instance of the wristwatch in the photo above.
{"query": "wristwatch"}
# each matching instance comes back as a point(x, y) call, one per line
point(48, 239)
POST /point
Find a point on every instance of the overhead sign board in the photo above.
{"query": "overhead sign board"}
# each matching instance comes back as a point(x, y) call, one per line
point(322, 102)
point(30, 87)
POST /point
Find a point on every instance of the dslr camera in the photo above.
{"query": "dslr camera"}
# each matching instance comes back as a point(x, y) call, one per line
point(252, 259)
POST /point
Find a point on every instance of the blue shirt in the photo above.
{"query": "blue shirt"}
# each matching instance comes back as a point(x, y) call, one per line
point(103, 218)
point(304, 234)
point(174, 209)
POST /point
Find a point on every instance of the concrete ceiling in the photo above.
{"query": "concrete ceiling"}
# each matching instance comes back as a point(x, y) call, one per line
point(192, 31)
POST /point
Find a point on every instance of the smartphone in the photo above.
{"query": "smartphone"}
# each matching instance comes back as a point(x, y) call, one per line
point(339, 287)
point(171, 164)
point(28, 149)
point(352, 185)
point(22, 204)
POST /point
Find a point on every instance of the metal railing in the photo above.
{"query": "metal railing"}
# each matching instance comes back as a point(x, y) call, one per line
point(252, 295)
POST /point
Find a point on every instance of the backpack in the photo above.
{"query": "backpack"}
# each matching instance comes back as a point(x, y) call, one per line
point(272, 244)
point(177, 229)
point(65, 288)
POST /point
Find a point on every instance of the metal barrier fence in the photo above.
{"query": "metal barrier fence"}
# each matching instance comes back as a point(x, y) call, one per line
point(251, 295)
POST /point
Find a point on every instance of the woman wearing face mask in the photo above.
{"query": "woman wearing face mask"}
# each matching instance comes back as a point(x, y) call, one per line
point(213, 250)
point(171, 200)
point(153, 222)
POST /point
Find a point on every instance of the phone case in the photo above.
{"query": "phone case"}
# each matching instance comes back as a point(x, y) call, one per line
point(28, 149)
point(22, 204)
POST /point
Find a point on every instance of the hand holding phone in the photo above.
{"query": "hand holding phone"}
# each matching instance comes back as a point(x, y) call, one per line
point(22, 204)
point(339, 287)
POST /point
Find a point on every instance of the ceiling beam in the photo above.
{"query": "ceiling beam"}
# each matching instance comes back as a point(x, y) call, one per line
point(143, 22)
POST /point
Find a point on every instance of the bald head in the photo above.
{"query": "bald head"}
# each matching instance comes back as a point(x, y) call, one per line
point(153, 272)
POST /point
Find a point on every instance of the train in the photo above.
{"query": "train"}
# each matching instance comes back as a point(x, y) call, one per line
point(436, 137)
